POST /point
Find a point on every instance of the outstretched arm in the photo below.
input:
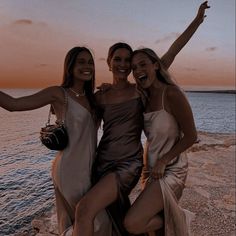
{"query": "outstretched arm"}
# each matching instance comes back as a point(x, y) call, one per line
point(37, 100)
point(180, 42)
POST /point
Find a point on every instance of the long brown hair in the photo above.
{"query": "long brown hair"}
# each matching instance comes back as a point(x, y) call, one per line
point(68, 79)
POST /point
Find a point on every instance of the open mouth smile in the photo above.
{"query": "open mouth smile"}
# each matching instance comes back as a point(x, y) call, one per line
point(122, 71)
point(142, 78)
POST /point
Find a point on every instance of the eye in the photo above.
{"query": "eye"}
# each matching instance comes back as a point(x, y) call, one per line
point(116, 58)
point(143, 64)
point(81, 62)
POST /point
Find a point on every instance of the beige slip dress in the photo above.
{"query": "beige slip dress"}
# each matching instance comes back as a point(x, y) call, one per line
point(71, 171)
point(162, 132)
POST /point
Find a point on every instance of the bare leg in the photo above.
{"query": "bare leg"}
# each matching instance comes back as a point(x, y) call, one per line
point(65, 214)
point(143, 216)
point(97, 198)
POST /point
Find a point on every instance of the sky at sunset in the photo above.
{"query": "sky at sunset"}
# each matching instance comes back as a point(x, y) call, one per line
point(35, 36)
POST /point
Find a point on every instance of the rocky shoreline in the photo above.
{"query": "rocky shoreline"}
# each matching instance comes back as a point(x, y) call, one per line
point(209, 193)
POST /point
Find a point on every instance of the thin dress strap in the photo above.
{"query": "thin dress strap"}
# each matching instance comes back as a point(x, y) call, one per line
point(162, 99)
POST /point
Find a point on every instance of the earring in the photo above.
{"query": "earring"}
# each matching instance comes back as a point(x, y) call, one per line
point(110, 69)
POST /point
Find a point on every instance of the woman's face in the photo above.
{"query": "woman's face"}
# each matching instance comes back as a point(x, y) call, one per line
point(120, 63)
point(84, 66)
point(144, 70)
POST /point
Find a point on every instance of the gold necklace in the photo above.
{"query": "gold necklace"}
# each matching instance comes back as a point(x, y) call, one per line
point(76, 93)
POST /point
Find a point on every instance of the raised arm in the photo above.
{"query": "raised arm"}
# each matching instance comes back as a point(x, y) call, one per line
point(42, 98)
point(181, 41)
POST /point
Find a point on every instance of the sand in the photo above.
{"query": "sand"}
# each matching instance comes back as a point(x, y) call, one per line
point(209, 192)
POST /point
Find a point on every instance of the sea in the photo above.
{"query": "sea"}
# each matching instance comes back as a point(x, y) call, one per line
point(26, 189)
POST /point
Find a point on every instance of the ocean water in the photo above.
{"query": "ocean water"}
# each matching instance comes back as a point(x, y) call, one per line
point(26, 188)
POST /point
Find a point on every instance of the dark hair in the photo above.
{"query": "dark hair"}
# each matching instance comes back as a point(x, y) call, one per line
point(161, 73)
point(116, 46)
point(68, 79)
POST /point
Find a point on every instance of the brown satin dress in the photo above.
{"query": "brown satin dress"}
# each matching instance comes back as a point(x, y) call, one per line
point(162, 132)
point(71, 172)
point(120, 151)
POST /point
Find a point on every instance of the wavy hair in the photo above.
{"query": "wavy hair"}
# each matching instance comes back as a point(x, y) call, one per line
point(161, 73)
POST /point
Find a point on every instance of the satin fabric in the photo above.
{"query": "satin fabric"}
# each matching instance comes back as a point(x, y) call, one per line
point(71, 172)
point(162, 132)
point(120, 151)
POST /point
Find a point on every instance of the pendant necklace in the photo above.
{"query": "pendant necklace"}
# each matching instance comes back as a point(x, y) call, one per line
point(76, 93)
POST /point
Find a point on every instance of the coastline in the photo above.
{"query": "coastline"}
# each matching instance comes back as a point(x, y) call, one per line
point(209, 193)
point(212, 91)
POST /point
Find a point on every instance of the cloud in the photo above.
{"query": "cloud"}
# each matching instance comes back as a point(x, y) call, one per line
point(168, 37)
point(42, 65)
point(190, 69)
point(211, 49)
point(23, 22)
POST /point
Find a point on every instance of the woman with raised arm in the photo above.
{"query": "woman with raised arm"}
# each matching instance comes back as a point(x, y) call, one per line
point(119, 155)
point(71, 171)
point(170, 130)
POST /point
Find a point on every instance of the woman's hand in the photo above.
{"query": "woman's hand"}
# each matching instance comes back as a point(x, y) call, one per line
point(104, 87)
point(158, 169)
point(201, 11)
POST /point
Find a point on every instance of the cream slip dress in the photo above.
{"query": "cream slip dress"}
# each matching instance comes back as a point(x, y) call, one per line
point(71, 172)
point(162, 132)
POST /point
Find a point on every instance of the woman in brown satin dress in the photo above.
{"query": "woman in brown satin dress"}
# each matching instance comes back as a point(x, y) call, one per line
point(119, 154)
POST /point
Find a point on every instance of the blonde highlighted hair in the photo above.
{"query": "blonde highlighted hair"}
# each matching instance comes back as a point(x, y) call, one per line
point(162, 74)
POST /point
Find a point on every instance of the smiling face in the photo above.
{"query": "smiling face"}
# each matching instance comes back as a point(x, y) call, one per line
point(144, 70)
point(120, 63)
point(83, 68)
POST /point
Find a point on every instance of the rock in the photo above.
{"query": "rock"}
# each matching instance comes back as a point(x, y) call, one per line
point(209, 192)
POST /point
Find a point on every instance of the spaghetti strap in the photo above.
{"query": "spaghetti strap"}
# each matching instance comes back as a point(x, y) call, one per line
point(163, 96)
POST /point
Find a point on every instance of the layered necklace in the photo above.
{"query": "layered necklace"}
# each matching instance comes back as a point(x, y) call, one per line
point(76, 93)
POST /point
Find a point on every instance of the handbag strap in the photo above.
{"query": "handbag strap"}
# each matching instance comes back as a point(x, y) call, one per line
point(63, 111)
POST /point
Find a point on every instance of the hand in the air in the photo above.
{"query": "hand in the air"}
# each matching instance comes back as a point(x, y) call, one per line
point(201, 11)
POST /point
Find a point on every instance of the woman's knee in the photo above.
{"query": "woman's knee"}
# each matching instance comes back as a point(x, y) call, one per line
point(83, 210)
point(132, 224)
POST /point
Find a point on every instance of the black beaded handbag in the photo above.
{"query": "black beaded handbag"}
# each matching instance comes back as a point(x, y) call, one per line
point(54, 136)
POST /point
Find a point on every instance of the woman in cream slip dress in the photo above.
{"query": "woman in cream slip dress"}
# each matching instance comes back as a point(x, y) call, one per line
point(162, 132)
point(169, 131)
point(71, 171)
point(71, 168)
